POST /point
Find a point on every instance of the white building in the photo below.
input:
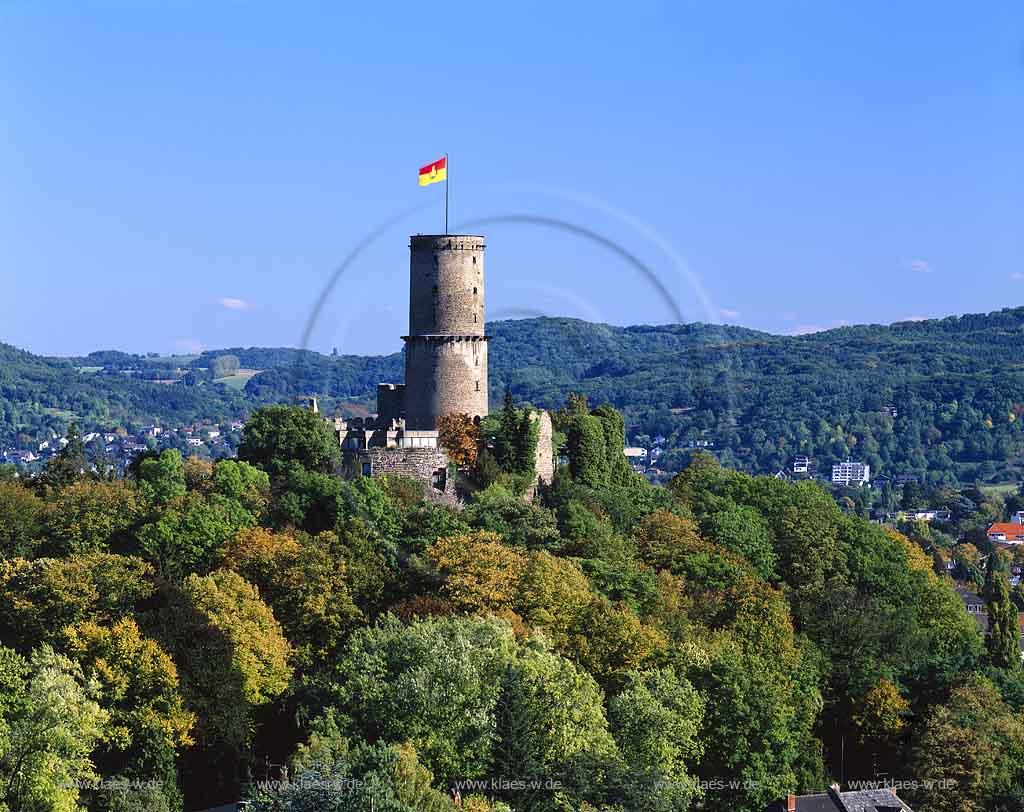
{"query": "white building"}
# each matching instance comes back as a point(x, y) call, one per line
point(851, 473)
point(929, 515)
point(636, 456)
point(801, 464)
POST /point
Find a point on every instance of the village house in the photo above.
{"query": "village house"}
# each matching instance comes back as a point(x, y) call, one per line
point(976, 607)
point(851, 473)
point(1006, 532)
point(883, 799)
point(924, 515)
point(636, 456)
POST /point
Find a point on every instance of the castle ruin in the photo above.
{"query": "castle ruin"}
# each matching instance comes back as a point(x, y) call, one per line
point(445, 371)
point(445, 367)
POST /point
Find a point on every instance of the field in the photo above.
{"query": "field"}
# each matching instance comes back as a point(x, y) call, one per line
point(1002, 489)
point(239, 379)
point(63, 414)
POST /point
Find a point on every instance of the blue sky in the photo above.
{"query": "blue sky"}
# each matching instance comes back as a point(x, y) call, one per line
point(184, 175)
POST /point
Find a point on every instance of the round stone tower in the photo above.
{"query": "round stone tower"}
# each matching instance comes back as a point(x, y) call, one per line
point(446, 349)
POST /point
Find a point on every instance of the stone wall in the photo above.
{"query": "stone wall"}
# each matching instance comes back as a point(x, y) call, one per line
point(544, 458)
point(426, 465)
point(444, 375)
point(390, 401)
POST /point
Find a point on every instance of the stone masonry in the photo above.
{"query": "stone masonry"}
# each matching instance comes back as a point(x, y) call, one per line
point(446, 349)
point(544, 460)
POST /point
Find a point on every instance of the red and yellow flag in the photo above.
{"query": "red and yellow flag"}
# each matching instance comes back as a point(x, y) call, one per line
point(435, 172)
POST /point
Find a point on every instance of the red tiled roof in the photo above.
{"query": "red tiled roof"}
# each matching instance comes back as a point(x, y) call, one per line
point(1011, 530)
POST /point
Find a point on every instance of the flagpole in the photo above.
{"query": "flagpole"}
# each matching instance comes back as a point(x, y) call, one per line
point(447, 176)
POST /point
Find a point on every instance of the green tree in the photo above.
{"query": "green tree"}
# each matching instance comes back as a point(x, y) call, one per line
point(426, 522)
point(162, 478)
point(549, 715)
point(306, 583)
point(656, 721)
point(329, 774)
point(49, 726)
point(244, 483)
point(186, 536)
point(588, 458)
point(277, 436)
point(743, 530)
point(511, 438)
point(609, 641)
point(1003, 639)
point(506, 439)
point(750, 731)
point(87, 516)
point(38, 599)
point(232, 659)
point(970, 752)
point(553, 595)
point(520, 523)
point(138, 686)
point(614, 428)
point(231, 650)
point(224, 365)
point(21, 526)
point(435, 684)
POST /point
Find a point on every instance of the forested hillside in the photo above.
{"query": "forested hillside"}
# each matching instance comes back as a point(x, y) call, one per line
point(956, 386)
point(42, 394)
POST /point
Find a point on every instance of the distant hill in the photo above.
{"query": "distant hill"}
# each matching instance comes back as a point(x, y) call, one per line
point(955, 384)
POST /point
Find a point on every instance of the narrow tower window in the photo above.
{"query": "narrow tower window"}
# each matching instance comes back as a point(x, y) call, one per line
point(474, 291)
point(478, 386)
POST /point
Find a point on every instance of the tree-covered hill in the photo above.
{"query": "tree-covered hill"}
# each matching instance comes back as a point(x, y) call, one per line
point(39, 395)
point(956, 386)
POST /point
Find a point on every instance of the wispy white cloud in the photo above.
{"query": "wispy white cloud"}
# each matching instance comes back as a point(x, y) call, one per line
point(1017, 276)
point(918, 265)
point(915, 318)
point(232, 303)
point(726, 313)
